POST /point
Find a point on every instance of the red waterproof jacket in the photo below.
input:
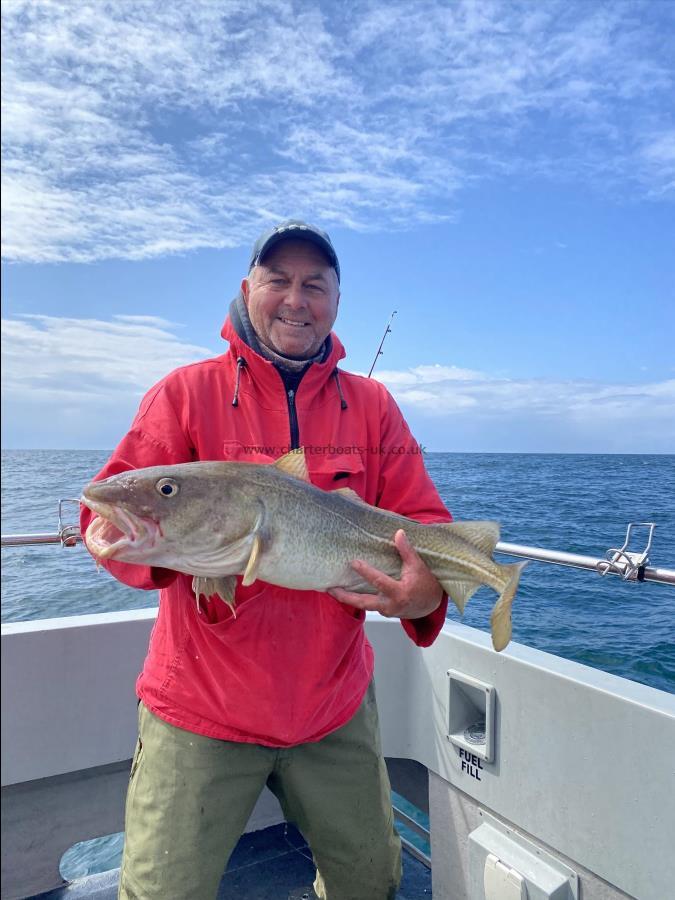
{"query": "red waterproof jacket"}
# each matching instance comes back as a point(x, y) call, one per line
point(294, 665)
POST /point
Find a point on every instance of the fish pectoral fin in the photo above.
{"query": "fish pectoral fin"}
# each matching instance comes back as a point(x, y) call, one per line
point(294, 464)
point(460, 592)
point(220, 587)
point(251, 571)
point(258, 535)
point(483, 535)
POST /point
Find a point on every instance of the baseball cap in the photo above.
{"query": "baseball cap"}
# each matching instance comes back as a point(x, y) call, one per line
point(294, 228)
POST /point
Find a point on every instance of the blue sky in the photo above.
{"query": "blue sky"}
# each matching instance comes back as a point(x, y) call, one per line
point(501, 174)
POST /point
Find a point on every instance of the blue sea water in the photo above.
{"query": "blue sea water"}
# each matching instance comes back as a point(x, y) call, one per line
point(576, 503)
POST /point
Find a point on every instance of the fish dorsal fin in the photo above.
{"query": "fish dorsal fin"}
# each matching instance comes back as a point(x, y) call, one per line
point(483, 535)
point(294, 464)
point(350, 495)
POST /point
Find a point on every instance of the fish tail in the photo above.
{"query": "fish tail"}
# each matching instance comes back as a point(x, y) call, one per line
point(480, 535)
point(500, 619)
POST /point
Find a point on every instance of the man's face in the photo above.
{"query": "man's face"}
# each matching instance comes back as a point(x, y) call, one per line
point(292, 299)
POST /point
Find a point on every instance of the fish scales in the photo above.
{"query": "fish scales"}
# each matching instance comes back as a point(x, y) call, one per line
point(350, 528)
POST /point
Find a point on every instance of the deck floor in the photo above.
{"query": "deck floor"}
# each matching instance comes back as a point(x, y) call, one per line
point(272, 864)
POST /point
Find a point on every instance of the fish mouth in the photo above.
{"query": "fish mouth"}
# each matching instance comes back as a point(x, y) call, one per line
point(115, 530)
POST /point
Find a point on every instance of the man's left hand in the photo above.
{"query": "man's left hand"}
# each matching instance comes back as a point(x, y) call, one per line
point(415, 594)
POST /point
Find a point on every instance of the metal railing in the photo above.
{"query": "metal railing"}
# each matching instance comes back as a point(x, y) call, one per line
point(411, 825)
point(628, 564)
point(69, 537)
point(631, 565)
point(66, 536)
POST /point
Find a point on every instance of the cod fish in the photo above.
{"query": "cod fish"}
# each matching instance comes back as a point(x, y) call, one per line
point(217, 520)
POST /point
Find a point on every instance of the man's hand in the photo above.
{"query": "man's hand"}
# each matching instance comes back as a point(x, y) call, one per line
point(417, 593)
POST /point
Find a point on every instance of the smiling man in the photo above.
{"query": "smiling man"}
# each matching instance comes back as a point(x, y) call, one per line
point(282, 694)
point(292, 299)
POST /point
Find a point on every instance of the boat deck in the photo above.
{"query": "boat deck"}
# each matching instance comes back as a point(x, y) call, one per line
point(272, 864)
point(566, 785)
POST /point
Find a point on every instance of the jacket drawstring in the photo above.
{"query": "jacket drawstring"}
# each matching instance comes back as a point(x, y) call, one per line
point(336, 376)
point(241, 364)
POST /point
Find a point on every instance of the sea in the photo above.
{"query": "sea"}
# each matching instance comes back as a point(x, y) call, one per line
point(572, 502)
point(579, 503)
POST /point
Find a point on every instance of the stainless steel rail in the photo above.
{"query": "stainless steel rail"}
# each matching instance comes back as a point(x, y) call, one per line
point(67, 535)
point(631, 565)
point(69, 539)
point(619, 562)
point(592, 563)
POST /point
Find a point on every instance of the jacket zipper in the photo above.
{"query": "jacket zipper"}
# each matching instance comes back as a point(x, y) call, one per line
point(293, 420)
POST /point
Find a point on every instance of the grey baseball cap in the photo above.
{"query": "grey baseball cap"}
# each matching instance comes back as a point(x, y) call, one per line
point(294, 228)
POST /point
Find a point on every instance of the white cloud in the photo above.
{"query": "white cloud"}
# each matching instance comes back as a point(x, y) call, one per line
point(63, 375)
point(71, 383)
point(428, 375)
point(658, 153)
point(49, 358)
point(138, 129)
point(600, 413)
point(147, 320)
point(661, 149)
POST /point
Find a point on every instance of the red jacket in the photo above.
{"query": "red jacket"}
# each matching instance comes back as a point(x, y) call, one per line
point(292, 666)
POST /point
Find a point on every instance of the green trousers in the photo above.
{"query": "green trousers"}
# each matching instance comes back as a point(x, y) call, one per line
point(190, 797)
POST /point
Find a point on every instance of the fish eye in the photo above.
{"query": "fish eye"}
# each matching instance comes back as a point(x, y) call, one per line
point(167, 487)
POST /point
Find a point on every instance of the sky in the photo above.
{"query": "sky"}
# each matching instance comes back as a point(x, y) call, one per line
point(500, 174)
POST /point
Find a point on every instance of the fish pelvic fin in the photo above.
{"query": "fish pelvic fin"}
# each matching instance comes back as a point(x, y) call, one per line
point(500, 620)
point(220, 587)
point(294, 464)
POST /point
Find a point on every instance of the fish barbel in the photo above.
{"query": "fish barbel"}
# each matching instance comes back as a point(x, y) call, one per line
point(217, 520)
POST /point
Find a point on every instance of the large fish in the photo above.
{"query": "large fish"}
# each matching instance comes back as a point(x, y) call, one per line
point(216, 520)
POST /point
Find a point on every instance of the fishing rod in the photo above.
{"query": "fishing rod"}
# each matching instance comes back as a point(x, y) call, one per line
point(384, 337)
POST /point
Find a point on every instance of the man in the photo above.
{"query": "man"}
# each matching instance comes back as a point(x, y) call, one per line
point(280, 695)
